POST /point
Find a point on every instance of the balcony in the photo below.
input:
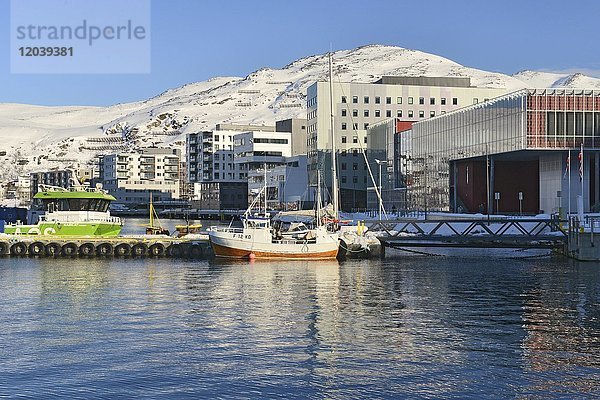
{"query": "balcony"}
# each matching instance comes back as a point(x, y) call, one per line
point(171, 161)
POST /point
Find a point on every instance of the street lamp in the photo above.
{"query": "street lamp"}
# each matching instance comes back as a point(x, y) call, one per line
point(380, 163)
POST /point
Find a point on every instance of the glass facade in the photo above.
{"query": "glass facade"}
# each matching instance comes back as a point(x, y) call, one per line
point(496, 126)
point(524, 120)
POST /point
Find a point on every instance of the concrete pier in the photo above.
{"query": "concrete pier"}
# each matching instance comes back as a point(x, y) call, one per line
point(194, 247)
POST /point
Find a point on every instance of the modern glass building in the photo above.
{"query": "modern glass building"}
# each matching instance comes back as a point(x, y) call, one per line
point(509, 154)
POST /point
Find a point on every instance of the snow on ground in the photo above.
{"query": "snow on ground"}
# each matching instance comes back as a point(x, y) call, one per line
point(36, 137)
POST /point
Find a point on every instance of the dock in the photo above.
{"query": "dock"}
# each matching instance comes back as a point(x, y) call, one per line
point(157, 246)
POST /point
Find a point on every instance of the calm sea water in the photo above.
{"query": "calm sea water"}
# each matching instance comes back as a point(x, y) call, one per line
point(407, 326)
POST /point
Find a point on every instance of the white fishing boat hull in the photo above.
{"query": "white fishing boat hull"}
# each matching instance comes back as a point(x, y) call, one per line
point(259, 243)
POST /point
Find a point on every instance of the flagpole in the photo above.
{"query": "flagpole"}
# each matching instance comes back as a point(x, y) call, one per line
point(569, 172)
point(582, 168)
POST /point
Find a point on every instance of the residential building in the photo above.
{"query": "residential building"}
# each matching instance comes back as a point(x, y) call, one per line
point(357, 106)
point(255, 151)
point(60, 177)
point(297, 127)
point(211, 170)
point(132, 177)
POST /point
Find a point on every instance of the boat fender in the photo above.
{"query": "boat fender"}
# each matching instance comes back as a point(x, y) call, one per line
point(139, 250)
point(123, 250)
point(175, 250)
point(104, 249)
point(87, 250)
point(69, 250)
point(195, 251)
point(36, 249)
point(52, 250)
point(157, 250)
point(49, 231)
point(4, 249)
point(18, 249)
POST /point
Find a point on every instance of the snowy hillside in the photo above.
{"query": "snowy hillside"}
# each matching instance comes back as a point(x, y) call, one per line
point(35, 137)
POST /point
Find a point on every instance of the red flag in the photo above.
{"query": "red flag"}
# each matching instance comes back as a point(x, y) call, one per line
point(580, 157)
point(568, 165)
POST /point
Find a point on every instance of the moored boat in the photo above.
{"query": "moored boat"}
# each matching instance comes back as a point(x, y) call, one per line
point(76, 211)
point(258, 239)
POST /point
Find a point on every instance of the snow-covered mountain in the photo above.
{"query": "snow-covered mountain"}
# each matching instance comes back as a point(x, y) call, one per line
point(36, 137)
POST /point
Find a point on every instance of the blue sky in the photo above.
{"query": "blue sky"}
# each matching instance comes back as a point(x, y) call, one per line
point(193, 40)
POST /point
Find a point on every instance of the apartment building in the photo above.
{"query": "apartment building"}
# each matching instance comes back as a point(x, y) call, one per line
point(132, 177)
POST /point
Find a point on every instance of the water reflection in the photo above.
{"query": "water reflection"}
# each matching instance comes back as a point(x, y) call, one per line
point(402, 327)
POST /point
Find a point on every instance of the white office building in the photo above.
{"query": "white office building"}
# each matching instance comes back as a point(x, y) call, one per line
point(359, 105)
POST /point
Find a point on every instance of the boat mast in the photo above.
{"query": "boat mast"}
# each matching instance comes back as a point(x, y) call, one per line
point(334, 184)
point(318, 205)
point(265, 177)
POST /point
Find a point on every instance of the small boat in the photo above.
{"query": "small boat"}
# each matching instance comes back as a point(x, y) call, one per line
point(76, 211)
point(154, 227)
point(261, 238)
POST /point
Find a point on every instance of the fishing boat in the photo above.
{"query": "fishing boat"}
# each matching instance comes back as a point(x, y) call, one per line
point(76, 211)
point(258, 238)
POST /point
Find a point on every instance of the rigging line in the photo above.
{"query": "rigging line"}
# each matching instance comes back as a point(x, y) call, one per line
point(369, 170)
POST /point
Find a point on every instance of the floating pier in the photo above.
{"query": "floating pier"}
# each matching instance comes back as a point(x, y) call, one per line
point(196, 247)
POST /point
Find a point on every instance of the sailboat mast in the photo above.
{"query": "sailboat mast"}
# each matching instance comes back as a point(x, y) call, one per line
point(318, 199)
point(334, 184)
point(265, 178)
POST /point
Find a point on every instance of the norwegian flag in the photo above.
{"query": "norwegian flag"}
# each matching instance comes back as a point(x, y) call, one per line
point(580, 157)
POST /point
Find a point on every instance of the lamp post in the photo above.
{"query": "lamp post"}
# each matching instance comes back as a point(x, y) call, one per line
point(380, 163)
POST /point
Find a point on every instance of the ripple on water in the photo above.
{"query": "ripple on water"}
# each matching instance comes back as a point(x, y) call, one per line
point(401, 327)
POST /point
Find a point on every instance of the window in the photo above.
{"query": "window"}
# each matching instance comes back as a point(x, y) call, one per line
point(344, 166)
point(443, 101)
point(355, 179)
point(343, 99)
point(343, 112)
point(365, 139)
point(454, 101)
point(377, 113)
point(366, 113)
point(343, 126)
point(344, 153)
point(432, 101)
point(366, 126)
point(388, 100)
point(432, 113)
point(343, 139)
point(355, 126)
point(421, 100)
point(410, 100)
point(388, 113)
point(343, 178)
point(366, 99)
point(398, 100)
point(377, 100)
point(475, 100)
point(354, 166)
point(355, 139)
point(355, 113)
point(410, 113)
point(355, 99)
point(399, 114)
point(421, 114)
point(354, 153)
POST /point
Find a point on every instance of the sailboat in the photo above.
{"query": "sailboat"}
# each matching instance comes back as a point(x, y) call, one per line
point(154, 227)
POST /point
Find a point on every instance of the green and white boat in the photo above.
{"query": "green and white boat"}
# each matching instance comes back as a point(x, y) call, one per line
point(76, 211)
